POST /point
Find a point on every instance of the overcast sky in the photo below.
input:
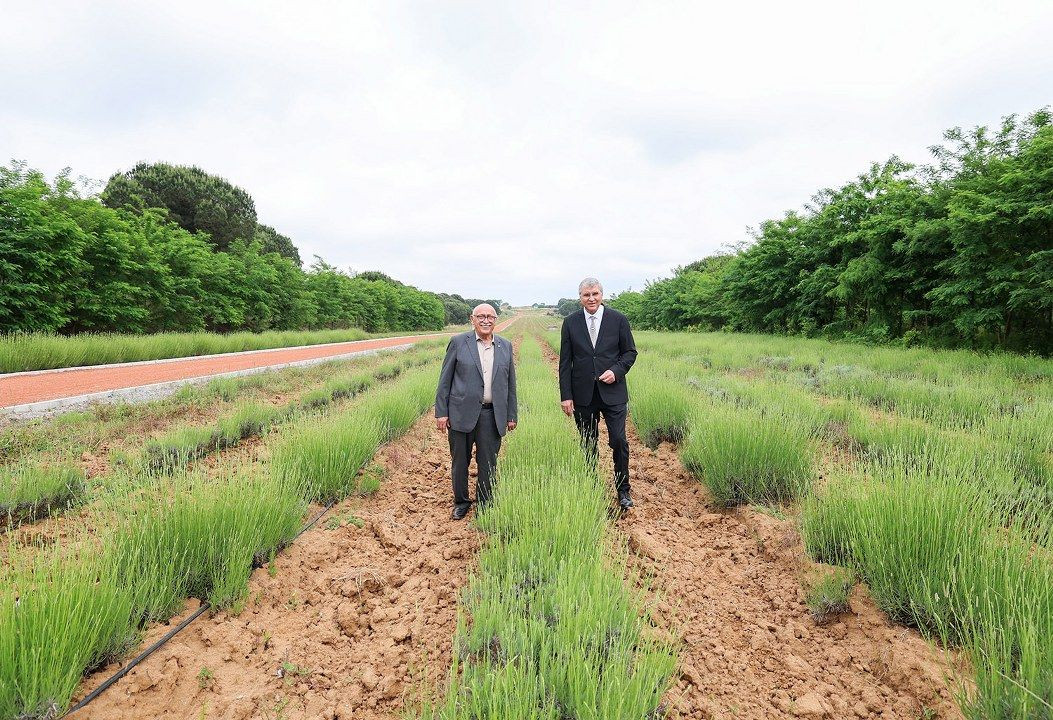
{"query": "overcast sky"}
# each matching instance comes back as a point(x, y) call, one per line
point(507, 150)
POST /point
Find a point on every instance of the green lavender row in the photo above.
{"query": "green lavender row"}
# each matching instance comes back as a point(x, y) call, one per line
point(549, 628)
point(953, 557)
point(83, 603)
point(29, 492)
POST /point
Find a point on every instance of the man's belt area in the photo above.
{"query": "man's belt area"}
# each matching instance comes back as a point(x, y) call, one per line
point(488, 406)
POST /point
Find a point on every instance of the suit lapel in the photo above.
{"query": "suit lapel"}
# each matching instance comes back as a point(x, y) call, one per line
point(473, 349)
point(585, 329)
point(605, 324)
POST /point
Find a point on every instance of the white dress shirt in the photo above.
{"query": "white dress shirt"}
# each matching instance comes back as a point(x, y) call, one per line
point(486, 358)
point(599, 320)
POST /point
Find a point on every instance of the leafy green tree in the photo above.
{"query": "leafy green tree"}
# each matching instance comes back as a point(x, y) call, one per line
point(40, 252)
point(273, 241)
point(195, 200)
point(566, 306)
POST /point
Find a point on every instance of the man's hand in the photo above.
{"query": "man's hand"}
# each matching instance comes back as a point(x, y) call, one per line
point(568, 407)
point(607, 377)
point(511, 424)
point(443, 424)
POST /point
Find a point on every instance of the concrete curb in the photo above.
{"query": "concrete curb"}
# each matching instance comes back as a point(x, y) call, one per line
point(156, 391)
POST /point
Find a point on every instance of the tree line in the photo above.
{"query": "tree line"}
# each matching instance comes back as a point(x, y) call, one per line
point(956, 253)
point(172, 248)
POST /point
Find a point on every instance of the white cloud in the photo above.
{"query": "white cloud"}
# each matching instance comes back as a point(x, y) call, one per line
point(507, 149)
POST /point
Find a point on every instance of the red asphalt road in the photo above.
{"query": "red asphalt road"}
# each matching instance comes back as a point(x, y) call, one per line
point(23, 389)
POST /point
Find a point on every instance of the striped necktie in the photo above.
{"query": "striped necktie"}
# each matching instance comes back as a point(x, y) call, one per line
point(592, 329)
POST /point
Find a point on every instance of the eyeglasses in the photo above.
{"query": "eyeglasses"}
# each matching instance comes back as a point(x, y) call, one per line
point(491, 318)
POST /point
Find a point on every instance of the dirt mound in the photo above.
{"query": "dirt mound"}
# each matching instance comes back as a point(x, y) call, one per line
point(349, 622)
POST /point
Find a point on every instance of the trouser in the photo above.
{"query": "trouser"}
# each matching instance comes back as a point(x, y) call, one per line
point(588, 421)
point(487, 442)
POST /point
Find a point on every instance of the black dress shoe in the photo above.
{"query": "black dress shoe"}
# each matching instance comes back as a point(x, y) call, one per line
point(624, 501)
point(459, 513)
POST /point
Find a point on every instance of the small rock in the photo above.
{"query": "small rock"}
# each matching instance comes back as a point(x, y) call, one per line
point(347, 618)
point(369, 678)
point(809, 705)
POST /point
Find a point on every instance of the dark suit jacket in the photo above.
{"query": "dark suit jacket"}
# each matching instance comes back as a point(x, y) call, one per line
point(460, 392)
point(580, 364)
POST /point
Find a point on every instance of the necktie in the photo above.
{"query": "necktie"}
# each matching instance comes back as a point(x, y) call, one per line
point(592, 329)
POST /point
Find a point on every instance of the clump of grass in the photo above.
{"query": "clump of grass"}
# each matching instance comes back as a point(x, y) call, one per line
point(29, 493)
point(61, 612)
point(250, 420)
point(323, 457)
point(661, 409)
point(180, 447)
point(369, 483)
point(745, 456)
point(939, 552)
point(205, 678)
point(205, 539)
point(826, 593)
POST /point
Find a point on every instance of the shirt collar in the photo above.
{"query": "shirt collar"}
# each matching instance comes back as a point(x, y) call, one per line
point(493, 338)
point(599, 314)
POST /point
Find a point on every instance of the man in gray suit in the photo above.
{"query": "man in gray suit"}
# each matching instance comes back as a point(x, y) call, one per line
point(475, 404)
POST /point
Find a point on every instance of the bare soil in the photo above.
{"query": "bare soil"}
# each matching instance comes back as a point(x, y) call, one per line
point(731, 588)
point(353, 622)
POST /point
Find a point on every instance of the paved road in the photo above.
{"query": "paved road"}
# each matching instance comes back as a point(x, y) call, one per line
point(25, 388)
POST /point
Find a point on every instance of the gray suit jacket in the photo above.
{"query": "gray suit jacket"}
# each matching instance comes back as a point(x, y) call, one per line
point(460, 392)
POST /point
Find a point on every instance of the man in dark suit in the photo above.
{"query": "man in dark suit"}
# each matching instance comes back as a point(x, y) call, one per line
point(596, 351)
point(475, 404)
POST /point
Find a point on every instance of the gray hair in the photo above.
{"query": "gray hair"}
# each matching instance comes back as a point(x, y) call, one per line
point(589, 282)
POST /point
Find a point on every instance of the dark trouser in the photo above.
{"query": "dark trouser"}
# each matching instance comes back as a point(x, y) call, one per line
point(588, 422)
point(487, 441)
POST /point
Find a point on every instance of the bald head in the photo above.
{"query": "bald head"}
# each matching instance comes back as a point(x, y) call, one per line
point(483, 318)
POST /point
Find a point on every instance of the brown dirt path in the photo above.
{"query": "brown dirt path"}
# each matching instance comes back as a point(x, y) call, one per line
point(352, 623)
point(22, 389)
point(731, 583)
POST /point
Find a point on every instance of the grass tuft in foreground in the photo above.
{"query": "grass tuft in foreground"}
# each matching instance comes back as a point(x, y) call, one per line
point(32, 493)
point(743, 455)
point(939, 552)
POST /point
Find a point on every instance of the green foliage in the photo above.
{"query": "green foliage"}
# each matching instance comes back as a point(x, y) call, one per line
point(958, 254)
point(743, 455)
point(158, 255)
point(566, 306)
point(29, 493)
point(80, 604)
point(195, 200)
point(323, 457)
point(940, 553)
point(826, 593)
point(273, 241)
point(41, 351)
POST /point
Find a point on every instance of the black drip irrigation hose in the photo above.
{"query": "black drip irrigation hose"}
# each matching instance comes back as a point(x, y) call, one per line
point(174, 631)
